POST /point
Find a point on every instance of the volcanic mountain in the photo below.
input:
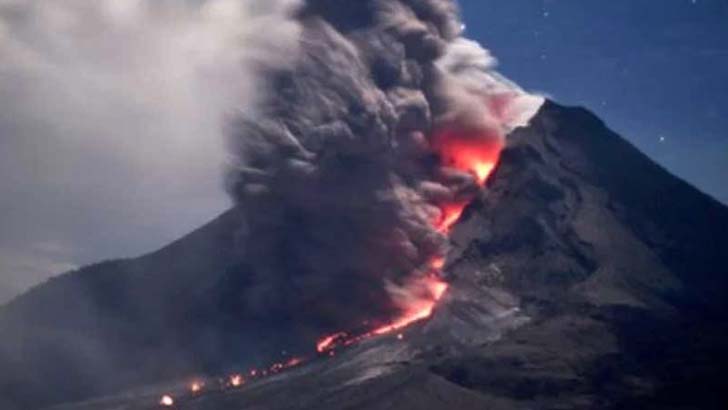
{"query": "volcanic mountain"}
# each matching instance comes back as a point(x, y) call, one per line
point(582, 276)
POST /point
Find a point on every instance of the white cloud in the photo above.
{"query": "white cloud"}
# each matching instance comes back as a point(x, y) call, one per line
point(110, 119)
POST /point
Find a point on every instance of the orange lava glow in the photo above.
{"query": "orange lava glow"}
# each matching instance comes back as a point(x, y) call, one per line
point(196, 387)
point(438, 263)
point(474, 154)
point(418, 309)
point(468, 153)
point(451, 213)
point(236, 380)
point(166, 401)
point(293, 362)
point(329, 342)
point(483, 170)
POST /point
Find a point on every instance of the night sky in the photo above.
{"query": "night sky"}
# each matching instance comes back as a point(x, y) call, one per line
point(655, 70)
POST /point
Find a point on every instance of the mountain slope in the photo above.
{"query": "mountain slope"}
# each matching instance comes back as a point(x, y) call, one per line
point(127, 319)
point(618, 263)
point(584, 276)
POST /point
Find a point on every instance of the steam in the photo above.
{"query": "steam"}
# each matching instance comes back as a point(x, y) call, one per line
point(110, 111)
point(358, 129)
point(358, 132)
point(350, 165)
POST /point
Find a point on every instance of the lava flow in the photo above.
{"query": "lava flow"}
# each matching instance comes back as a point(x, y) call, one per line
point(451, 213)
point(327, 342)
point(467, 153)
point(419, 308)
point(423, 295)
point(166, 401)
point(419, 296)
point(463, 152)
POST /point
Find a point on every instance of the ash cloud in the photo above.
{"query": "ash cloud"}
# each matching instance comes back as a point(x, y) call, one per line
point(338, 174)
point(110, 112)
point(110, 133)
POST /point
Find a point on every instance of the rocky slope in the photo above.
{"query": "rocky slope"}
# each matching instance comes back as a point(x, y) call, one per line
point(584, 276)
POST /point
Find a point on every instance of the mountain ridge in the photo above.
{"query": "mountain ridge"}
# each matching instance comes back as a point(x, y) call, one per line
point(578, 255)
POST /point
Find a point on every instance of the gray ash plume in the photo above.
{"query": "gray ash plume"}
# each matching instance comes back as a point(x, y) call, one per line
point(344, 171)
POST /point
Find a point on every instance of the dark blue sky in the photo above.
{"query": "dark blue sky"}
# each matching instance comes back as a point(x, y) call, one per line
point(655, 70)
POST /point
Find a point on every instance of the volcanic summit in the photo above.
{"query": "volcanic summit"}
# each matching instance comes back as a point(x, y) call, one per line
point(409, 230)
point(582, 276)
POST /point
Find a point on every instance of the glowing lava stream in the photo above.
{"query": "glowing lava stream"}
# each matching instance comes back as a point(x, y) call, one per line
point(466, 153)
point(327, 342)
point(451, 213)
point(474, 156)
point(420, 310)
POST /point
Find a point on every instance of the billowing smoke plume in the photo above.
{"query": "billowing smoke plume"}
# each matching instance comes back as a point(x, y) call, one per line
point(110, 114)
point(346, 174)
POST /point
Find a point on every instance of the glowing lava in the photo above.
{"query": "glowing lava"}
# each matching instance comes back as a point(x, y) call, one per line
point(236, 380)
point(417, 309)
point(328, 342)
point(196, 387)
point(468, 153)
point(482, 170)
point(293, 362)
point(438, 263)
point(451, 213)
point(418, 297)
point(166, 401)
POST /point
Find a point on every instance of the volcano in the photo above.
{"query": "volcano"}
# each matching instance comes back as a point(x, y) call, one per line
point(582, 276)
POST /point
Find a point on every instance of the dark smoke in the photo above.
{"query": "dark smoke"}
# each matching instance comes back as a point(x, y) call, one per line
point(337, 175)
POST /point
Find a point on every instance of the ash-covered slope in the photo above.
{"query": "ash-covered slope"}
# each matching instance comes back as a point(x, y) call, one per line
point(182, 310)
point(618, 264)
point(584, 276)
point(116, 323)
